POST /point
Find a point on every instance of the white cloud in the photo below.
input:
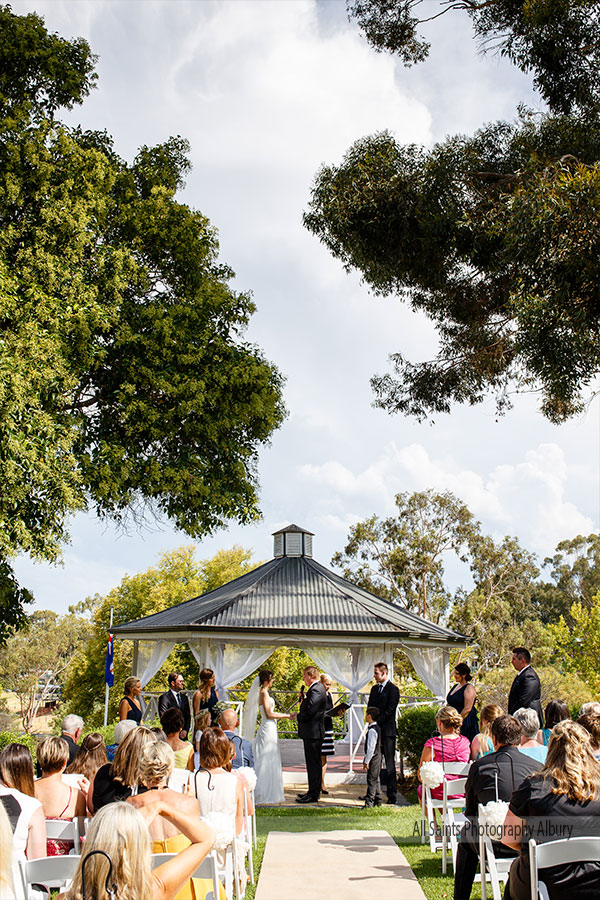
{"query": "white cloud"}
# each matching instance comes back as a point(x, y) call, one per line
point(526, 498)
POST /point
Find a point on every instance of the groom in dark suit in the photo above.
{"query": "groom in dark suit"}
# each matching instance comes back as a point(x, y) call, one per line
point(175, 697)
point(526, 691)
point(311, 729)
point(386, 696)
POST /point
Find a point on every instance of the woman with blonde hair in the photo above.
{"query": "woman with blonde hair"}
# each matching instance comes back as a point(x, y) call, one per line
point(567, 787)
point(118, 780)
point(130, 706)
point(6, 857)
point(206, 696)
point(482, 743)
point(122, 832)
point(449, 746)
point(156, 767)
point(59, 800)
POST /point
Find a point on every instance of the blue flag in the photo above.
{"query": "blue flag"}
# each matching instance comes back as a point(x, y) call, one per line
point(109, 673)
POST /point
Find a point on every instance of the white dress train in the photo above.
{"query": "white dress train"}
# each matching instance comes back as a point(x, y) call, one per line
point(267, 760)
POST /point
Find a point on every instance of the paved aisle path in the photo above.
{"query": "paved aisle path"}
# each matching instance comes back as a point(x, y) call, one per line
point(335, 865)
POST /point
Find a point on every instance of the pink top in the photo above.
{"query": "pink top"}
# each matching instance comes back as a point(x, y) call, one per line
point(446, 749)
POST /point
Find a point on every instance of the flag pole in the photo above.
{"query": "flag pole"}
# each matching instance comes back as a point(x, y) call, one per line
point(107, 685)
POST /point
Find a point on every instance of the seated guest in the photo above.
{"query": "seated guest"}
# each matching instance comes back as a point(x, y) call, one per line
point(567, 786)
point(172, 725)
point(449, 746)
point(71, 729)
point(159, 733)
point(591, 723)
point(116, 780)
point(482, 742)
point(92, 755)
point(6, 856)
point(591, 708)
point(16, 768)
point(59, 800)
point(121, 831)
point(130, 706)
point(216, 789)
point(244, 756)
point(202, 720)
point(156, 766)
point(28, 825)
point(556, 711)
point(491, 777)
point(529, 721)
point(121, 729)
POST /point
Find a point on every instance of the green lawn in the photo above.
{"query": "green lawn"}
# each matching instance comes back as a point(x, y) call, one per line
point(398, 821)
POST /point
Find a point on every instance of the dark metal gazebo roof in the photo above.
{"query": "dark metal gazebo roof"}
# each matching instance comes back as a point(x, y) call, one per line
point(291, 594)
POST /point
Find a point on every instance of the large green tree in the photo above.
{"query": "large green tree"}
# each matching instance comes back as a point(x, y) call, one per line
point(494, 237)
point(575, 573)
point(401, 557)
point(126, 385)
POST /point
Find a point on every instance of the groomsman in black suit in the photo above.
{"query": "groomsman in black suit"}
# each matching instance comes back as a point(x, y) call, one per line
point(312, 730)
point(386, 696)
point(175, 697)
point(526, 690)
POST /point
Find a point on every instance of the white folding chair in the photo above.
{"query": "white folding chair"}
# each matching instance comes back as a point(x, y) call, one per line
point(248, 830)
point(207, 869)
point(64, 830)
point(430, 804)
point(253, 819)
point(51, 871)
point(560, 853)
point(452, 819)
point(490, 865)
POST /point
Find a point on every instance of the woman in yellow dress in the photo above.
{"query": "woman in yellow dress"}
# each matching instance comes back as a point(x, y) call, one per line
point(156, 766)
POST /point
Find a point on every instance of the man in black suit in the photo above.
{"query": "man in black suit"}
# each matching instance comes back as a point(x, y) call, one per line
point(386, 696)
point(311, 729)
point(501, 771)
point(526, 691)
point(175, 697)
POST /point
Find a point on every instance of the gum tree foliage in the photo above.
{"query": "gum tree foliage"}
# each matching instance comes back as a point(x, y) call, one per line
point(126, 385)
point(401, 557)
point(34, 660)
point(495, 237)
point(575, 572)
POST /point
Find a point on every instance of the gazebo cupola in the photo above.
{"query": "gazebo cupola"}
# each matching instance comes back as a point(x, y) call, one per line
point(292, 541)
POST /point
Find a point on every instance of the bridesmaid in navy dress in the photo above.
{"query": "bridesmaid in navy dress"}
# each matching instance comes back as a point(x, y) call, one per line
point(206, 696)
point(130, 706)
point(462, 697)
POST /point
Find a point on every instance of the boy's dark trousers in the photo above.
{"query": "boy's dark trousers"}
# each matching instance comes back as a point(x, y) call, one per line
point(373, 797)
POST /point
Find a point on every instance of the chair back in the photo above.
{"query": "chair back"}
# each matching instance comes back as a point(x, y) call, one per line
point(453, 786)
point(51, 871)
point(179, 779)
point(64, 830)
point(456, 768)
point(207, 868)
point(559, 853)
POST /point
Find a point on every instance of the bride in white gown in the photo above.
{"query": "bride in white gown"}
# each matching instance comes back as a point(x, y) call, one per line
point(267, 758)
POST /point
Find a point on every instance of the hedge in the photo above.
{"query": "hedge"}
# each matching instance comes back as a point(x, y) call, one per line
point(416, 724)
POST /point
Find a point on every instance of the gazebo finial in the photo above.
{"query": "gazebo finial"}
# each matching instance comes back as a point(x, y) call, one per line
point(292, 541)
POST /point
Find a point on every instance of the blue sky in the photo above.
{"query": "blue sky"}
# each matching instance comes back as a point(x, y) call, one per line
point(266, 92)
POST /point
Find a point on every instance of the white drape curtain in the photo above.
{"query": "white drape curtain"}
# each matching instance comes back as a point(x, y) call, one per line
point(431, 665)
point(151, 656)
point(231, 663)
point(352, 667)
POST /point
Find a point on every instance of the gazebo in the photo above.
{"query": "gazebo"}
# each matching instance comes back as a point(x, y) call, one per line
point(292, 601)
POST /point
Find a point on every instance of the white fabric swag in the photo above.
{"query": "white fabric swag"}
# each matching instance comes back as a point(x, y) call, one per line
point(352, 667)
point(431, 665)
point(231, 663)
point(151, 656)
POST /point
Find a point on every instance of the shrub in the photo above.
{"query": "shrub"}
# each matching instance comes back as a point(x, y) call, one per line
point(555, 685)
point(15, 737)
point(415, 725)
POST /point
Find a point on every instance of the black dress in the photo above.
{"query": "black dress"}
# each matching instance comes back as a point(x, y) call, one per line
point(134, 713)
point(209, 705)
point(107, 789)
point(545, 812)
point(328, 747)
point(470, 726)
